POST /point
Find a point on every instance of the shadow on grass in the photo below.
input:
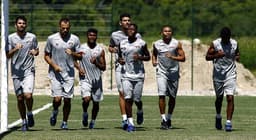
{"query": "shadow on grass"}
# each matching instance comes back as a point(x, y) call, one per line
point(16, 128)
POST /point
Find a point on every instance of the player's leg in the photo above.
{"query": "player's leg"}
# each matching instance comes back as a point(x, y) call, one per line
point(128, 104)
point(218, 87)
point(95, 110)
point(121, 96)
point(137, 94)
point(28, 86)
point(56, 89)
point(172, 87)
point(20, 102)
point(229, 89)
point(162, 89)
point(86, 97)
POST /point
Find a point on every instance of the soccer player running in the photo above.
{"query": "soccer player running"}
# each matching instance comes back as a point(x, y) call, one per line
point(21, 48)
point(223, 52)
point(133, 51)
point(167, 53)
point(91, 64)
point(116, 37)
point(59, 54)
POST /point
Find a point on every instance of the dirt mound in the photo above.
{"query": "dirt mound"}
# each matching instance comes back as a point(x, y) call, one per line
point(201, 75)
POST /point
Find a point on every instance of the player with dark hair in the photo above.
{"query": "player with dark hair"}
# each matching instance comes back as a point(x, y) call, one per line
point(116, 38)
point(21, 48)
point(60, 54)
point(91, 64)
point(223, 52)
point(167, 53)
point(133, 52)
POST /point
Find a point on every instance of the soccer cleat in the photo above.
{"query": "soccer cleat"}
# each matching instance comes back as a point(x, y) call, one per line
point(164, 125)
point(228, 127)
point(130, 128)
point(140, 118)
point(91, 125)
point(218, 124)
point(169, 123)
point(64, 126)
point(53, 119)
point(24, 127)
point(85, 119)
point(31, 121)
point(124, 124)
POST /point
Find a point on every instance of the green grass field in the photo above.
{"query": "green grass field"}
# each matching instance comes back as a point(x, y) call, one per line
point(193, 119)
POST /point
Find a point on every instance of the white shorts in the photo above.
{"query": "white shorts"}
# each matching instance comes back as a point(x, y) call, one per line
point(228, 87)
point(62, 88)
point(133, 89)
point(167, 87)
point(24, 84)
point(87, 90)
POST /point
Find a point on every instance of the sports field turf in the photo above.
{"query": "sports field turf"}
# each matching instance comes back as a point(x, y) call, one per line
point(193, 119)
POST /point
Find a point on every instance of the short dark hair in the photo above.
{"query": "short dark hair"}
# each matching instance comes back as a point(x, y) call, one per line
point(164, 26)
point(225, 32)
point(124, 15)
point(20, 18)
point(93, 30)
point(135, 25)
point(64, 19)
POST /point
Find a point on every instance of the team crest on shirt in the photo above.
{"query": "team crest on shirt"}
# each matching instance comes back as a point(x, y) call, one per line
point(70, 44)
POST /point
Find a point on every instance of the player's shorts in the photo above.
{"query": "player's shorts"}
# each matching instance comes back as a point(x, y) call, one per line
point(167, 87)
point(95, 92)
point(63, 88)
point(228, 87)
point(133, 89)
point(24, 84)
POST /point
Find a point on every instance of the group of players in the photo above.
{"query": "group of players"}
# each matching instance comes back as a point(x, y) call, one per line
point(63, 52)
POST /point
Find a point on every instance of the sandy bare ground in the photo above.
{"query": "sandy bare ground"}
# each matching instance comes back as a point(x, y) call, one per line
point(200, 85)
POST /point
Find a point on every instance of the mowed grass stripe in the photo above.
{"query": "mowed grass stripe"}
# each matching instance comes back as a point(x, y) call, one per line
point(193, 118)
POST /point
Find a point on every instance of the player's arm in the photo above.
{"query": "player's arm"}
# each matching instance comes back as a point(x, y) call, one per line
point(101, 62)
point(48, 59)
point(146, 54)
point(77, 66)
point(180, 54)
point(112, 49)
point(154, 56)
point(213, 54)
point(12, 51)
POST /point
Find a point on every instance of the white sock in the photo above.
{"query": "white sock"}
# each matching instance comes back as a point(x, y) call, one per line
point(93, 121)
point(130, 121)
point(228, 121)
point(124, 116)
point(24, 121)
point(163, 117)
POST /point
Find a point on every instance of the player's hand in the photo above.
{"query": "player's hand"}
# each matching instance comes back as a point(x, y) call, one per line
point(57, 68)
point(68, 51)
point(113, 49)
point(33, 52)
point(93, 60)
point(154, 64)
point(168, 55)
point(220, 54)
point(18, 46)
point(81, 72)
point(136, 57)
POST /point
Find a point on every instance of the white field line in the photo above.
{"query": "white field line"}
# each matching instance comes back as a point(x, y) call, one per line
point(34, 112)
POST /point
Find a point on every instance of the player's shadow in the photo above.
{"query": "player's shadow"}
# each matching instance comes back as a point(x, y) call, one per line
point(16, 128)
